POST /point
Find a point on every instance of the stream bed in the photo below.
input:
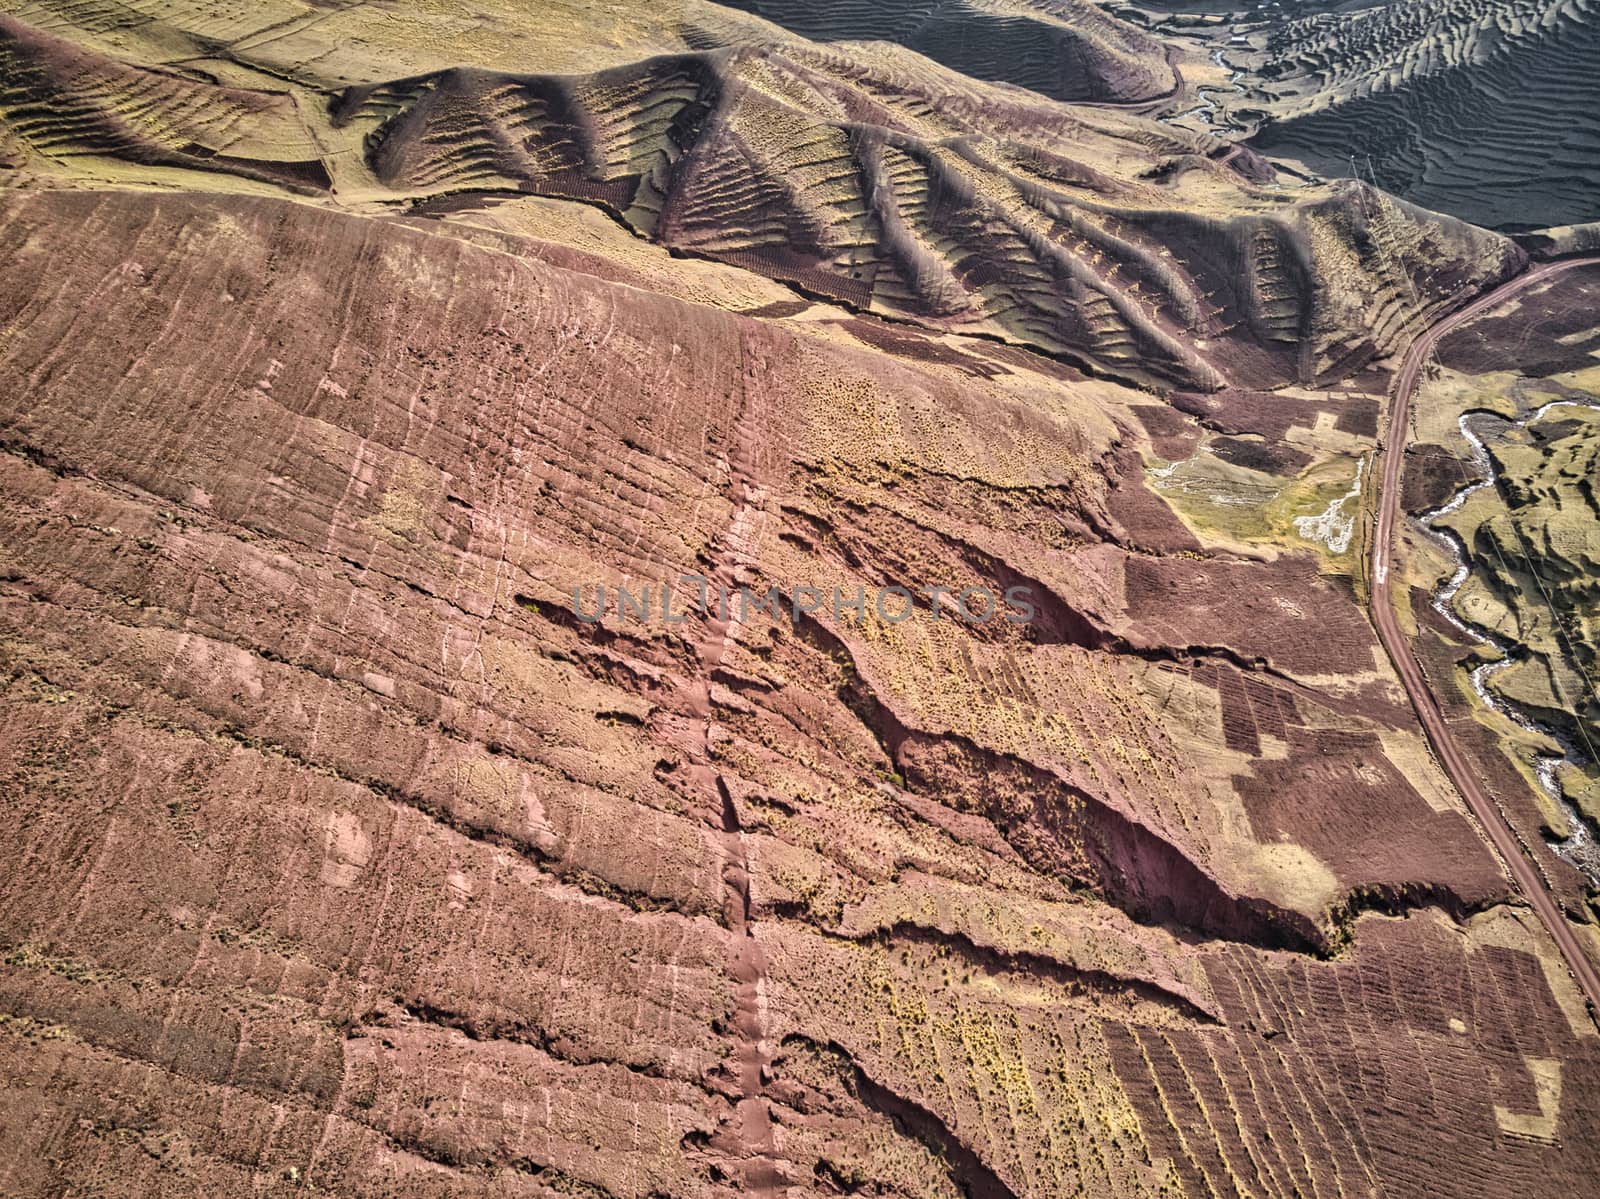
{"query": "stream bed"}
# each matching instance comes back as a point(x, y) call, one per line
point(1580, 848)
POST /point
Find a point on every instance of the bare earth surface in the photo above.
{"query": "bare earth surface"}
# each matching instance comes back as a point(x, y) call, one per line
point(340, 344)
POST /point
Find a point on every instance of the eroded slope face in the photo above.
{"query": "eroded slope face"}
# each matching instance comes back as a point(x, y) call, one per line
point(355, 860)
point(1489, 109)
point(872, 177)
point(489, 899)
point(907, 192)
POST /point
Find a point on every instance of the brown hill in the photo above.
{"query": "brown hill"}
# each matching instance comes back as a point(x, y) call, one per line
point(461, 894)
point(349, 857)
point(884, 182)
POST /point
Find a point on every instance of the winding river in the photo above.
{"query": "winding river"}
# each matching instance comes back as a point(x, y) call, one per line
point(1580, 847)
point(1208, 108)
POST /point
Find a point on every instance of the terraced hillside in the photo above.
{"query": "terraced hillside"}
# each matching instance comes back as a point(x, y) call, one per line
point(1489, 109)
point(62, 102)
point(1064, 49)
point(456, 893)
point(941, 202)
point(463, 474)
point(884, 182)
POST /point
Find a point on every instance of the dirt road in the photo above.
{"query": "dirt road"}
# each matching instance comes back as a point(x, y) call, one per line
point(1400, 652)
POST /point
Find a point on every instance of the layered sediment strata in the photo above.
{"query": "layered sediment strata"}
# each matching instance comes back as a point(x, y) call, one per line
point(350, 858)
point(411, 850)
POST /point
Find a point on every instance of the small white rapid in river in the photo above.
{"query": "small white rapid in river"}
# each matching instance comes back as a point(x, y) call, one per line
point(1580, 847)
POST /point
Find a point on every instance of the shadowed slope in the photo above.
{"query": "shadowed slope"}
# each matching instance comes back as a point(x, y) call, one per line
point(1114, 241)
point(1490, 111)
point(58, 101)
point(1064, 49)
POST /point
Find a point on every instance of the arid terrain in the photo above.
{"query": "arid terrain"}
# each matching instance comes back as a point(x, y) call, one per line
point(347, 350)
point(1488, 109)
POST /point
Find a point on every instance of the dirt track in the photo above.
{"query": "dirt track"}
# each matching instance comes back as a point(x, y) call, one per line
point(1383, 614)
